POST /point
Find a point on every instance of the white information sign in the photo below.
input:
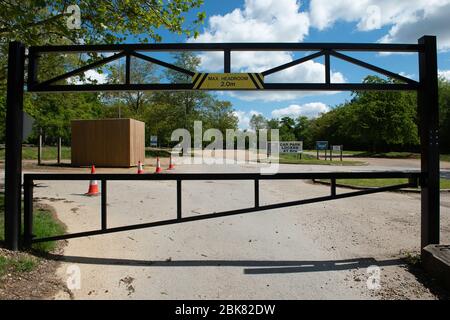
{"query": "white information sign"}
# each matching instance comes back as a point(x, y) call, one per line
point(336, 148)
point(288, 146)
point(153, 141)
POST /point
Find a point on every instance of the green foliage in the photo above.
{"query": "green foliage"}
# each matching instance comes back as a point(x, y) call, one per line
point(53, 113)
point(385, 119)
point(130, 104)
point(16, 264)
point(48, 153)
point(44, 225)
point(163, 112)
point(287, 126)
point(2, 115)
point(154, 152)
point(444, 114)
point(376, 183)
point(45, 22)
point(373, 121)
point(258, 122)
point(290, 158)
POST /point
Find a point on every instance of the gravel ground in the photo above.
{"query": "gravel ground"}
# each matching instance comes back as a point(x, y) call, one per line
point(316, 251)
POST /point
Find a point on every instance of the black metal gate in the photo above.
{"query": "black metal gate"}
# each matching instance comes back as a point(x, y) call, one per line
point(29, 179)
point(427, 89)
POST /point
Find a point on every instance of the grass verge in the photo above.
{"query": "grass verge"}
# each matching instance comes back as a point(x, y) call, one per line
point(154, 152)
point(388, 155)
point(445, 157)
point(44, 225)
point(367, 183)
point(48, 153)
point(17, 264)
point(287, 158)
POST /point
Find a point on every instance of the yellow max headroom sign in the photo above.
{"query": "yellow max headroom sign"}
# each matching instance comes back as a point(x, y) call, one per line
point(228, 81)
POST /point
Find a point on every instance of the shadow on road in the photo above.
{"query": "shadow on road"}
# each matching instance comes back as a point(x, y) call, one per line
point(251, 266)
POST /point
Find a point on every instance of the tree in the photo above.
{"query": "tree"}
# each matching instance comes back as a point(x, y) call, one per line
point(45, 22)
point(220, 116)
point(386, 118)
point(273, 124)
point(258, 122)
point(287, 129)
point(301, 126)
point(140, 72)
point(375, 121)
point(444, 114)
point(168, 111)
point(53, 112)
point(190, 103)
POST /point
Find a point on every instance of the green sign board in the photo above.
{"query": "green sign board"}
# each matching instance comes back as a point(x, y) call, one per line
point(321, 145)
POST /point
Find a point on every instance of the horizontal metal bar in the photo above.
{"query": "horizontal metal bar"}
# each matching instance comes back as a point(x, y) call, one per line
point(221, 214)
point(225, 176)
point(113, 87)
point(340, 87)
point(189, 86)
point(293, 63)
point(377, 47)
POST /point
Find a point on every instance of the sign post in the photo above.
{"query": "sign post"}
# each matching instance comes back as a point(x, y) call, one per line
point(321, 145)
point(336, 148)
point(292, 147)
point(153, 141)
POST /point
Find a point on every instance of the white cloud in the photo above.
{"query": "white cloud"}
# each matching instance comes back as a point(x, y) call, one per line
point(263, 21)
point(93, 75)
point(310, 110)
point(90, 76)
point(286, 21)
point(431, 22)
point(445, 74)
point(308, 72)
point(260, 20)
point(408, 75)
point(244, 117)
point(409, 20)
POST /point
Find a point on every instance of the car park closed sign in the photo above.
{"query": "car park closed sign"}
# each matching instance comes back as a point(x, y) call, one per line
point(291, 146)
point(286, 147)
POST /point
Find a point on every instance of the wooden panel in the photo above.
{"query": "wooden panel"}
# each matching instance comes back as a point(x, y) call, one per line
point(137, 142)
point(108, 142)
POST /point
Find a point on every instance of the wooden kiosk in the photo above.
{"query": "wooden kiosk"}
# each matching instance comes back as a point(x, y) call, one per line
point(108, 142)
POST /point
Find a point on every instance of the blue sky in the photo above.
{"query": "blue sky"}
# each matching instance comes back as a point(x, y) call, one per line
point(398, 21)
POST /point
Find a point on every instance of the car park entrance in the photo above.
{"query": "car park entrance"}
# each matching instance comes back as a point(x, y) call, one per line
point(427, 88)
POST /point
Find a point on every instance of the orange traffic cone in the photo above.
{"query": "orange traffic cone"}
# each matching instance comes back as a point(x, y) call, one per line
point(93, 185)
point(140, 168)
point(171, 165)
point(158, 166)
